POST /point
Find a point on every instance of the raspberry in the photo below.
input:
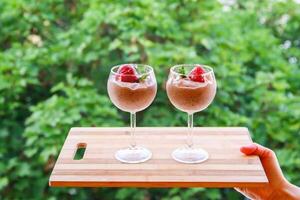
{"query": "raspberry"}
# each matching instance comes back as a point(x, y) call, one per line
point(196, 74)
point(127, 74)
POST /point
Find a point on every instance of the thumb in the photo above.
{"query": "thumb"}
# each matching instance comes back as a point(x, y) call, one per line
point(261, 151)
point(249, 149)
point(268, 160)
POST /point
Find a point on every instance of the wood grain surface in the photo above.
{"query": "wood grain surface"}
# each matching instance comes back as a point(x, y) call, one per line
point(226, 166)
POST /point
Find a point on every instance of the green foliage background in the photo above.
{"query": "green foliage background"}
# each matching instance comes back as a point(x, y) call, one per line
point(55, 59)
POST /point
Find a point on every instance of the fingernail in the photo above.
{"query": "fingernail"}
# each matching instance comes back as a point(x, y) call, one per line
point(248, 149)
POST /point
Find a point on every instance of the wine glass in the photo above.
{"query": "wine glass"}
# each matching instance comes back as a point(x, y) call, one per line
point(132, 88)
point(191, 88)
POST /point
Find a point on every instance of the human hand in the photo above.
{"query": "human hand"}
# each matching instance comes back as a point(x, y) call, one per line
point(278, 187)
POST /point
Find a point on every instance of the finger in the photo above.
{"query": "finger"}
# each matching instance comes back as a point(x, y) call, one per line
point(240, 190)
point(245, 192)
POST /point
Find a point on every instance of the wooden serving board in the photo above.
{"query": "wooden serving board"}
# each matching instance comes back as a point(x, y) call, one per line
point(226, 166)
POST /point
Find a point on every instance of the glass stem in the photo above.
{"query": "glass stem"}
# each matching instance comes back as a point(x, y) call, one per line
point(189, 140)
point(132, 130)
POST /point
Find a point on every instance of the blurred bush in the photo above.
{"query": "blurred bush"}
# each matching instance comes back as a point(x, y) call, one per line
point(55, 59)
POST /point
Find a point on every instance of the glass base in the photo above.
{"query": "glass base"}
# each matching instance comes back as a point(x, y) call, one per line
point(190, 155)
point(133, 155)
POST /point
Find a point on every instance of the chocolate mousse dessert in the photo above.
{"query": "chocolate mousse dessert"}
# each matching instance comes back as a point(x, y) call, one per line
point(130, 91)
point(191, 93)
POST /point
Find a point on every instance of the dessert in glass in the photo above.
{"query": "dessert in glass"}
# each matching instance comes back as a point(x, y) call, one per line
point(191, 88)
point(132, 88)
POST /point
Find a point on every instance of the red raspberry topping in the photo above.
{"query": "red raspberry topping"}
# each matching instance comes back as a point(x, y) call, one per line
point(196, 74)
point(127, 74)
